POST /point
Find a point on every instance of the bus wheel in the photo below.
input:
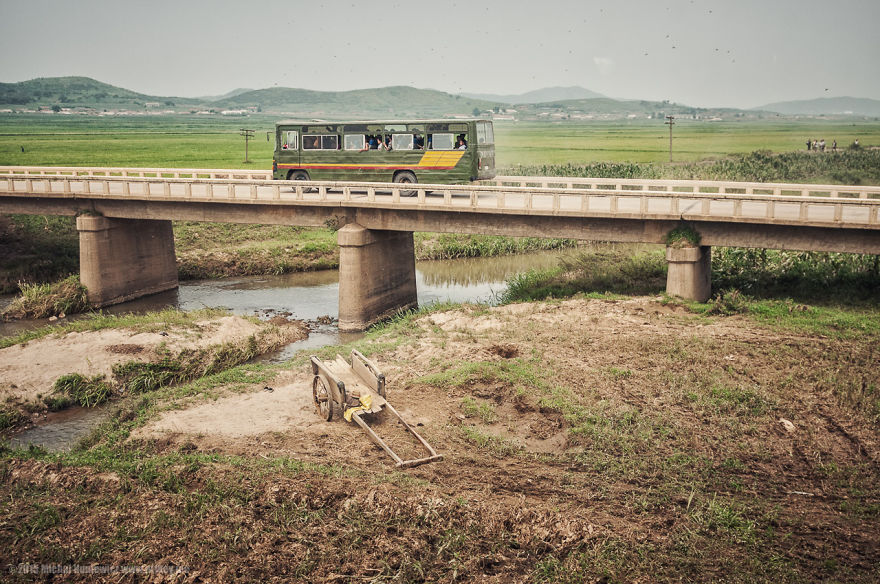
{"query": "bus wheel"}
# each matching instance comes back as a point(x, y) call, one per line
point(299, 175)
point(406, 177)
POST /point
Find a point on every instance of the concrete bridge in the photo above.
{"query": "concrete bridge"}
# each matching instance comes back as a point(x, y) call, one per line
point(127, 247)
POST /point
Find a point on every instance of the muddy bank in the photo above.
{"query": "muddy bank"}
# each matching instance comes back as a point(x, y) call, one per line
point(28, 370)
point(585, 440)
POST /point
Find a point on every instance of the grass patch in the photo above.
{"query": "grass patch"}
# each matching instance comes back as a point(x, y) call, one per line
point(613, 268)
point(520, 375)
point(68, 296)
point(85, 391)
point(861, 166)
point(452, 245)
point(802, 276)
point(478, 409)
point(36, 249)
point(10, 418)
point(152, 322)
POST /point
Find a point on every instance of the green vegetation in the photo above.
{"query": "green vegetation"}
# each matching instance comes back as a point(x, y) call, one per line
point(853, 167)
point(611, 268)
point(189, 364)
point(451, 246)
point(640, 149)
point(44, 300)
point(85, 391)
point(10, 417)
point(683, 236)
point(36, 249)
point(737, 273)
point(153, 322)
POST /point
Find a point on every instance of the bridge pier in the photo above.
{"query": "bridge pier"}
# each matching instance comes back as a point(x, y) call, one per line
point(377, 275)
point(690, 272)
point(123, 259)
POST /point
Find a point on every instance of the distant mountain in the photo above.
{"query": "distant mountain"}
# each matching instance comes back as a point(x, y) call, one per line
point(76, 91)
point(393, 101)
point(382, 102)
point(857, 106)
point(538, 95)
point(226, 95)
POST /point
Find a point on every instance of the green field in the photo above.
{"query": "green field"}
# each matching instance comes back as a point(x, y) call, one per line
point(214, 141)
point(530, 143)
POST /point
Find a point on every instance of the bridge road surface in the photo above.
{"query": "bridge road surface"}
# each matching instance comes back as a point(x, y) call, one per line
point(602, 202)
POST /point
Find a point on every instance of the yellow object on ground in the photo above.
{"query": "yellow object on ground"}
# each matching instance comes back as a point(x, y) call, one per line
point(366, 404)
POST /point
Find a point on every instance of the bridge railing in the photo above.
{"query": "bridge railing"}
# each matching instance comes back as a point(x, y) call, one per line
point(799, 208)
point(102, 171)
point(689, 186)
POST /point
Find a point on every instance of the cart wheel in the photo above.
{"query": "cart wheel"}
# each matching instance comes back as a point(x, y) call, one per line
point(322, 398)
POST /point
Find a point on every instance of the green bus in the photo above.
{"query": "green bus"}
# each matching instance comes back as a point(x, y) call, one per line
point(427, 151)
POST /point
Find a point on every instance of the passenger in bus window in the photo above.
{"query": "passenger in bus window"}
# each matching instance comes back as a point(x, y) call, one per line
point(386, 145)
point(419, 142)
point(462, 143)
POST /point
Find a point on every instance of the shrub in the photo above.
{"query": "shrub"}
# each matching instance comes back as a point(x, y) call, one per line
point(68, 296)
point(86, 391)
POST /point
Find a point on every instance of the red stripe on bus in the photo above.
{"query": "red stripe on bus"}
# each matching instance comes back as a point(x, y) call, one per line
point(341, 167)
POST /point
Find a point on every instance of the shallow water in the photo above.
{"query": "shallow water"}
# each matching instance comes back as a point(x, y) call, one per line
point(309, 296)
point(60, 431)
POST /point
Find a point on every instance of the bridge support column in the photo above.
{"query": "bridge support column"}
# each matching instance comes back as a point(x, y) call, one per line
point(690, 271)
point(377, 275)
point(123, 259)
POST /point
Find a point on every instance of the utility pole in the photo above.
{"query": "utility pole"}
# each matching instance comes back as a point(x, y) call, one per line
point(248, 135)
point(670, 123)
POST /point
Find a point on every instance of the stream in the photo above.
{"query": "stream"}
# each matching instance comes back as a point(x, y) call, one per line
point(308, 296)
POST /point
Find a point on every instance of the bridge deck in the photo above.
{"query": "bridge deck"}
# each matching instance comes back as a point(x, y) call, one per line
point(760, 203)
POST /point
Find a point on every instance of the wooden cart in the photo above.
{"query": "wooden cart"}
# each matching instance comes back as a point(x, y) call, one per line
point(358, 389)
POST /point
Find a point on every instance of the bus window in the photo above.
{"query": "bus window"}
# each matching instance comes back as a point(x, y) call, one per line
point(402, 142)
point(485, 133)
point(441, 141)
point(325, 142)
point(289, 140)
point(354, 142)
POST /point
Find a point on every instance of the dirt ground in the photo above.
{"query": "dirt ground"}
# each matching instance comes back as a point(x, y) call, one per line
point(28, 370)
point(583, 441)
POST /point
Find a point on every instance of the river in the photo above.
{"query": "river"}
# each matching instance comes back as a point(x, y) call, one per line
point(308, 296)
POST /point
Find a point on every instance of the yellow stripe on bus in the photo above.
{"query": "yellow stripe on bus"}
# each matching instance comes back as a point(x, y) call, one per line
point(445, 158)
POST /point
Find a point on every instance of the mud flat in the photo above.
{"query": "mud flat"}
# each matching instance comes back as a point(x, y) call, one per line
point(28, 370)
point(584, 440)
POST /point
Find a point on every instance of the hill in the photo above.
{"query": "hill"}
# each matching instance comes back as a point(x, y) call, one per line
point(538, 95)
point(608, 108)
point(828, 106)
point(76, 92)
point(385, 101)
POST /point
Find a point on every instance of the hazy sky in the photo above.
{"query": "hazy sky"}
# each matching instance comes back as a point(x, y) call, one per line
point(739, 53)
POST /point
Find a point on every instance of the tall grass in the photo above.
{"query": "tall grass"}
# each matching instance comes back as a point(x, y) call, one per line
point(68, 296)
point(853, 167)
point(611, 268)
point(453, 245)
point(804, 276)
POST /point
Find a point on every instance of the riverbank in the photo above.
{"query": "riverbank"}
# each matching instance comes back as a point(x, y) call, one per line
point(618, 438)
point(122, 356)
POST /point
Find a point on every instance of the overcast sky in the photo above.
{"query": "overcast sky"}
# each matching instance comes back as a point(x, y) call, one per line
point(738, 53)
